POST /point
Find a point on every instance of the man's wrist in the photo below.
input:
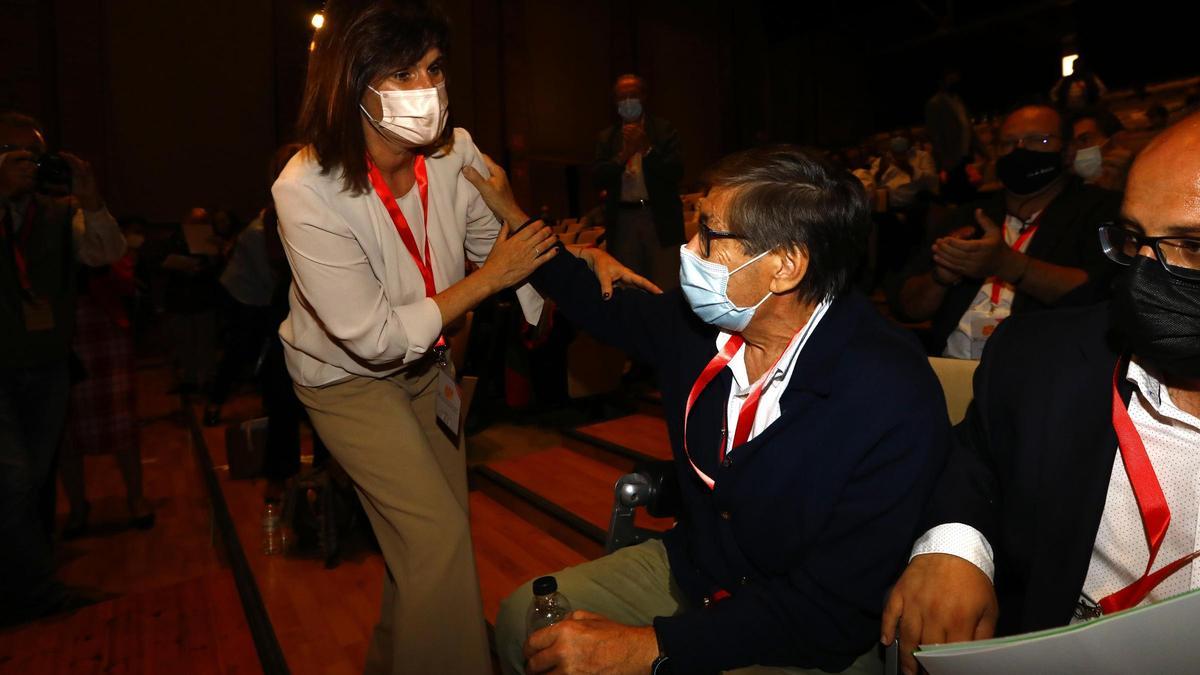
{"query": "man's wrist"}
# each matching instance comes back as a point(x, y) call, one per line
point(1012, 266)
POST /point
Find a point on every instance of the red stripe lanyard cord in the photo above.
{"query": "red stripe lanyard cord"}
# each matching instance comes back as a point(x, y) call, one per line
point(745, 420)
point(1025, 235)
point(1152, 506)
point(18, 247)
point(402, 227)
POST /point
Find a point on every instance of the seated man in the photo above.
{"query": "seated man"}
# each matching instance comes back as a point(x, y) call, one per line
point(806, 431)
point(1101, 159)
point(1024, 248)
point(1035, 523)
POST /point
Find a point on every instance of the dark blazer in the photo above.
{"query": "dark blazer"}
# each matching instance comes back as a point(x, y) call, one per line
point(662, 168)
point(810, 521)
point(1067, 235)
point(1031, 462)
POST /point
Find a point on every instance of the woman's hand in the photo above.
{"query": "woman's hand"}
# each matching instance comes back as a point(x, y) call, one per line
point(609, 271)
point(496, 191)
point(515, 257)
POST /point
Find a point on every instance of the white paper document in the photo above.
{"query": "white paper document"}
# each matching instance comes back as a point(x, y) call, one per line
point(1159, 638)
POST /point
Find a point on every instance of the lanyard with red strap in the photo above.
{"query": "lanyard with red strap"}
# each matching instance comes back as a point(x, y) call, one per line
point(1026, 234)
point(745, 420)
point(424, 264)
point(1152, 504)
point(19, 245)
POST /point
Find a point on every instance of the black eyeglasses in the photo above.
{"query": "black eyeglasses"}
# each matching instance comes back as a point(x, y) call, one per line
point(1179, 256)
point(707, 234)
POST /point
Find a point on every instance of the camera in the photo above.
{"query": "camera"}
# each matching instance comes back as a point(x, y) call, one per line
point(53, 174)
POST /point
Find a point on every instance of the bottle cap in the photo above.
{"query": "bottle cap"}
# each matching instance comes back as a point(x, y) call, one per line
point(545, 585)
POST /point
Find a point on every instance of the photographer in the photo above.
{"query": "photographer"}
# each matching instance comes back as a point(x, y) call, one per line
point(41, 239)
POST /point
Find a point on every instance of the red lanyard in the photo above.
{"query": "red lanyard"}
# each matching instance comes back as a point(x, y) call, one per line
point(401, 223)
point(1026, 234)
point(1152, 504)
point(18, 247)
point(745, 420)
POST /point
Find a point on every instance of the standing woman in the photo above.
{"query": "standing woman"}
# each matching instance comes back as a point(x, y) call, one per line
point(377, 222)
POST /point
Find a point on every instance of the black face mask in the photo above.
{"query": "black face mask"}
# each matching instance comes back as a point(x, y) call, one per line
point(1159, 317)
point(1024, 172)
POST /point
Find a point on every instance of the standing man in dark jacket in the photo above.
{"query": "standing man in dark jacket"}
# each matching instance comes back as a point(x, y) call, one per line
point(41, 241)
point(638, 166)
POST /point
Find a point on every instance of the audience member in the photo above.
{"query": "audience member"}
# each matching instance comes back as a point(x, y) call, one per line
point(103, 406)
point(904, 171)
point(1100, 157)
point(639, 167)
point(1040, 518)
point(1078, 91)
point(1024, 248)
point(796, 515)
point(953, 137)
point(42, 242)
point(248, 284)
point(191, 296)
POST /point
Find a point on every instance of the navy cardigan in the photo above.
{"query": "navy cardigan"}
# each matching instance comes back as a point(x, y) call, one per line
point(812, 520)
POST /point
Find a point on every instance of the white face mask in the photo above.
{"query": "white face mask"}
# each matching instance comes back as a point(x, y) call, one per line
point(415, 116)
point(1089, 163)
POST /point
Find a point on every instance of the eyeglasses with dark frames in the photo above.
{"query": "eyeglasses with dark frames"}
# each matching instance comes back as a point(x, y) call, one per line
point(707, 234)
point(1179, 256)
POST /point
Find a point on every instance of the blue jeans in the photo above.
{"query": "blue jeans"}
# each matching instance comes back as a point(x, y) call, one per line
point(33, 411)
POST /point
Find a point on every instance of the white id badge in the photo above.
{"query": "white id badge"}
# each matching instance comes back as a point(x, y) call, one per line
point(448, 405)
point(982, 328)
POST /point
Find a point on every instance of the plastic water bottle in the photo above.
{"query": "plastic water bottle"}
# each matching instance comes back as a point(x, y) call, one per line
point(548, 606)
point(272, 542)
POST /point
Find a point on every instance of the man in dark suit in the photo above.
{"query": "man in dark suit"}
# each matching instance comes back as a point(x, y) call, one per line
point(1035, 521)
point(639, 168)
point(806, 430)
point(1027, 247)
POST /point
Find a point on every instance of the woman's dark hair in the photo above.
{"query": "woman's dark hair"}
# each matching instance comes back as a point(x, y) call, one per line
point(784, 197)
point(360, 41)
point(1110, 125)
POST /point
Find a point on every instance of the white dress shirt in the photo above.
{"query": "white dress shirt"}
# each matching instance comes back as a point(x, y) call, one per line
point(358, 304)
point(976, 324)
point(779, 377)
point(1172, 439)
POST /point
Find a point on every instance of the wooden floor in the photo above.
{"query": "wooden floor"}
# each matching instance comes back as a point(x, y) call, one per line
point(174, 606)
point(171, 603)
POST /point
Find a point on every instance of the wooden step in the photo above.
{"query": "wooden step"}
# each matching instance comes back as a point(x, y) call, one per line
point(568, 485)
point(510, 550)
point(639, 436)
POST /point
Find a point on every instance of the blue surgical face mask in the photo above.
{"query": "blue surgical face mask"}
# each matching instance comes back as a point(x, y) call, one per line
point(629, 109)
point(706, 286)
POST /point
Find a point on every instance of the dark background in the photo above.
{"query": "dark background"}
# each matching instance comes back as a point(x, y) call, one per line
point(180, 104)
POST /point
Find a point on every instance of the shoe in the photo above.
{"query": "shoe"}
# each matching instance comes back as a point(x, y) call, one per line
point(212, 415)
point(77, 523)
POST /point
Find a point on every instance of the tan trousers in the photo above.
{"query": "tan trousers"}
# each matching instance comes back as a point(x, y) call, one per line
point(413, 484)
point(631, 586)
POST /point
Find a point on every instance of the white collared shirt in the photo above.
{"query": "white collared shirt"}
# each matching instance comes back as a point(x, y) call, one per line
point(968, 338)
point(358, 304)
point(1172, 439)
point(779, 377)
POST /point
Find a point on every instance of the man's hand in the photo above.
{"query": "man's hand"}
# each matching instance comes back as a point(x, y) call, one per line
point(83, 183)
point(977, 258)
point(496, 191)
point(633, 140)
point(587, 643)
point(609, 270)
point(940, 598)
